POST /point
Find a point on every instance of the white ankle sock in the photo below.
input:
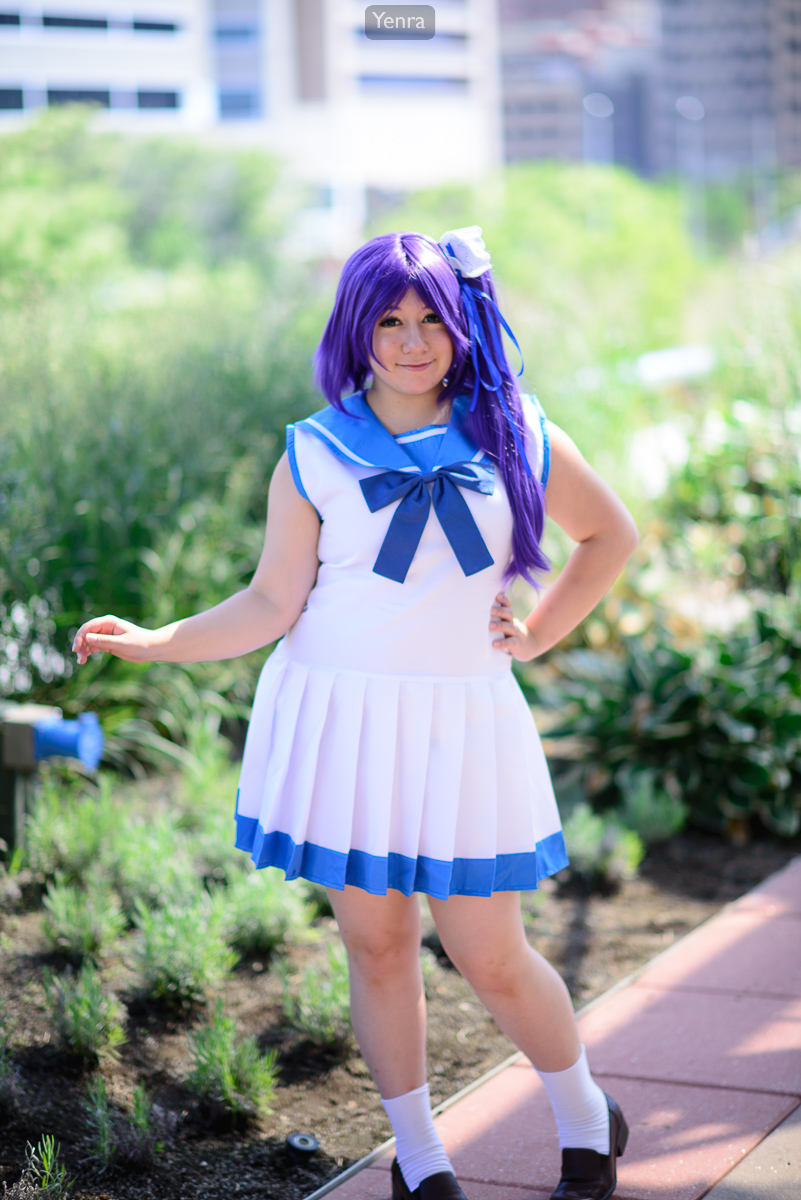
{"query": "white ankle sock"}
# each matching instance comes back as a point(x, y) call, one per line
point(418, 1148)
point(579, 1106)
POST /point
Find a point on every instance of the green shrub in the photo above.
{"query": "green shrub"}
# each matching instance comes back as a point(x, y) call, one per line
point(131, 1141)
point(100, 1122)
point(720, 727)
point(234, 1073)
point(318, 1002)
point(168, 340)
point(261, 910)
point(600, 849)
point(81, 923)
point(209, 777)
point(654, 813)
point(44, 1177)
point(180, 954)
point(72, 826)
point(84, 1020)
point(152, 865)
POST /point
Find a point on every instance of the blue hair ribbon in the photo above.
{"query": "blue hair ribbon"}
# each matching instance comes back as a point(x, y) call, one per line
point(490, 355)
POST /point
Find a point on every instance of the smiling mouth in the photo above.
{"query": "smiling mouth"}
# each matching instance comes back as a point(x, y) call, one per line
point(415, 366)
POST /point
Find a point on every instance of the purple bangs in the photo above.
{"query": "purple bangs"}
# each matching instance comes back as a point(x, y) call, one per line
point(374, 280)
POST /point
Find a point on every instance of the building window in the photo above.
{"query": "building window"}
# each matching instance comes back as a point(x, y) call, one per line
point(75, 22)
point(412, 83)
point(443, 41)
point(78, 96)
point(157, 100)
point(10, 99)
point(239, 104)
point(154, 26)
point(240, 32)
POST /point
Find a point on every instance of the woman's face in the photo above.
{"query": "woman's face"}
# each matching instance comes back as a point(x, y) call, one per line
point(412, 349)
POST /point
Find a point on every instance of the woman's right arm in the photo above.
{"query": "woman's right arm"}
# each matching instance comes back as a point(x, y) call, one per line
point(260, 614)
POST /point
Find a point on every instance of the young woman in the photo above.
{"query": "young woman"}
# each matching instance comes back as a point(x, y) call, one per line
point(390, 750)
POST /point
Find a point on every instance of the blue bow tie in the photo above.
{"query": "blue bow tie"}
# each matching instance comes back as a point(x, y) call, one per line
point(409, 520)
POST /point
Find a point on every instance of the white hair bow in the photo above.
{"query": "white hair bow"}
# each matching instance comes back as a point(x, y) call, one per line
point(465, 251)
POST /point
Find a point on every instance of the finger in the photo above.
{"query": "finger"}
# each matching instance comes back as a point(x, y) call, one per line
point(105, 642)
point(106, 624)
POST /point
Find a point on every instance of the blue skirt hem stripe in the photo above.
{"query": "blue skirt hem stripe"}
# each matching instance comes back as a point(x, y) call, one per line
point(434, 877)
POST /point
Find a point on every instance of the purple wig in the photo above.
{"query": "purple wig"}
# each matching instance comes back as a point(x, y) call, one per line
point(374, 280)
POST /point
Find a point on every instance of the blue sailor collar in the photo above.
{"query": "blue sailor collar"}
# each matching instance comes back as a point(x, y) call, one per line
point(357, 436)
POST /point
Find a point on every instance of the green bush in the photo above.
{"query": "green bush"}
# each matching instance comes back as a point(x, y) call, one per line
point(71, 827)
point(84, 1020)
point(152, 865)
point(600, 849)
point(720, 728)
point(100, 1121)
point(318, 1002)
point(128, 1142)
point(234, 1073)
point(44, 1177)
point(168, 340)
point(81, 924)
point(180, 953)
point(653, 813)
point(261, 910)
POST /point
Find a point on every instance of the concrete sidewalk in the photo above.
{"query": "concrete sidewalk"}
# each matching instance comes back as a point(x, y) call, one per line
point(702, 1049)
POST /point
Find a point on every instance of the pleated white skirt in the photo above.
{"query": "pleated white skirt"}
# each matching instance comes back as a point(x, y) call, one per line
point(435, 785)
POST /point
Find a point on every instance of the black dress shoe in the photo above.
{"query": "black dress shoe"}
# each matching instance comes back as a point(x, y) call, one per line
point(442, 1186)
point(588, 1175)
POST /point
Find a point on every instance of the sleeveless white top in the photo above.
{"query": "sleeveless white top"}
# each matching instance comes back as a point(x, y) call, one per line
point(390, 745)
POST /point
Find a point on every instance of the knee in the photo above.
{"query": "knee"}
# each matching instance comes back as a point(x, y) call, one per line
point(380, 955)
point(491, 970)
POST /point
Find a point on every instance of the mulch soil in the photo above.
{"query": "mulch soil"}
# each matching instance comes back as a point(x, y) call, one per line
point(593, 939)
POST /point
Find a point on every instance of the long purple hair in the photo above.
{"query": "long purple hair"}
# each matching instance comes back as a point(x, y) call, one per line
point(374, 280)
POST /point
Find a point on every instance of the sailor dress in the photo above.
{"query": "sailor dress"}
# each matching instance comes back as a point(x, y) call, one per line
point(390, 745)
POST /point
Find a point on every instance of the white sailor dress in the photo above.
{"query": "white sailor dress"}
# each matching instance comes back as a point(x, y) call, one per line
point(390, 745)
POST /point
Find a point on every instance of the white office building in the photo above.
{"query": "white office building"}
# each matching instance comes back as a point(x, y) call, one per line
point(352, 116)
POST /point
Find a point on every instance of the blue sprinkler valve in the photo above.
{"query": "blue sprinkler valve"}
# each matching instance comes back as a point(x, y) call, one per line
point(81, 739)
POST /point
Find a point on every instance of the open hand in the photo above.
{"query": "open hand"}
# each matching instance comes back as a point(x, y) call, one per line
point(110, 634)
point(516, 639)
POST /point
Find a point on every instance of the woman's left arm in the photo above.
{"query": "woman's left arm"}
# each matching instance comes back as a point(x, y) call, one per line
point(594, 517)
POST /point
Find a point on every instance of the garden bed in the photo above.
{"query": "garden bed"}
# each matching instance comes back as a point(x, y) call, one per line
point(594, 940)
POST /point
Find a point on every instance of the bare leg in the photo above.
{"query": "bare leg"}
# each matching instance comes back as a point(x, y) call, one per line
point(382, 938)
point(485, 940)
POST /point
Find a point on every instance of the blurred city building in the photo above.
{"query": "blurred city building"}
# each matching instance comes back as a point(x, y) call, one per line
point(707, 88)
point(360, 121)
point(557, 53)
point(741, 61)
